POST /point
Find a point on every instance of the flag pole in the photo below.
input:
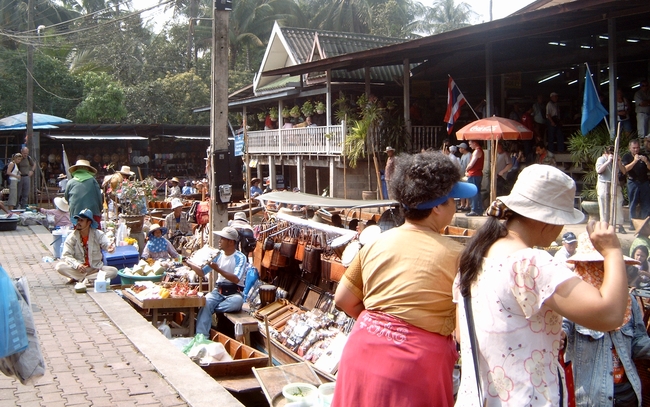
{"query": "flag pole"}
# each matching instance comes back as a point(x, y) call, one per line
point(614, 183)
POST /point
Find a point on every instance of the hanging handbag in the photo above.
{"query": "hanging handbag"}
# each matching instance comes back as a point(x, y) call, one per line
point(258, 254)
point(300, 246)
point(337, 269)
point(277, 259)
point(289, 244)
point(312, 262)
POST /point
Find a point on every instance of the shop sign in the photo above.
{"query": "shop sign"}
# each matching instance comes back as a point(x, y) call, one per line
point(239, 145)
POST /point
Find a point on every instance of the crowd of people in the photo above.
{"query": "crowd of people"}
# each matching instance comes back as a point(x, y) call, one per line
point(518, 313)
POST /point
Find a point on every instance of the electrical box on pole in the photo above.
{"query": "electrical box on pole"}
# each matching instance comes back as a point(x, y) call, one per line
point(219, 193)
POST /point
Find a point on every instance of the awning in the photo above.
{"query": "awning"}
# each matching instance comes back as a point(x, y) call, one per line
point(299, 198)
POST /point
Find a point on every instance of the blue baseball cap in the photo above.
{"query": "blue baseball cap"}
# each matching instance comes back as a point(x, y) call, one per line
point(87, 214)
point(459, 190)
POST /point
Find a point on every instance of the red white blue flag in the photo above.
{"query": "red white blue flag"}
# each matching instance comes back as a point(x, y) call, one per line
point(455, 100)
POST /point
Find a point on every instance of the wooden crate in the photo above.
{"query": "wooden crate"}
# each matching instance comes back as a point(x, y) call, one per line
point(244, 358)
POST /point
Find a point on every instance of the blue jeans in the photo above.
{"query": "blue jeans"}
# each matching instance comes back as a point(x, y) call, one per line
point(215, 302)
point(639, 194)
point(476, 201)
point(555, 135)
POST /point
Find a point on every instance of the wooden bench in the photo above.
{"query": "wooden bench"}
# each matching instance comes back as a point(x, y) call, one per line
point(248, 323)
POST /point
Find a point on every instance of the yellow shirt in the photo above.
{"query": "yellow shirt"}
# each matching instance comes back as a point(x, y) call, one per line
point(408, 273)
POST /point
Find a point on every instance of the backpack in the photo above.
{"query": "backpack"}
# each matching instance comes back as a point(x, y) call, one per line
point(203, 213)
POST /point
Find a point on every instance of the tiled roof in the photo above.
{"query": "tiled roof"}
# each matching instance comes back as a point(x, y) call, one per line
point(301, 42)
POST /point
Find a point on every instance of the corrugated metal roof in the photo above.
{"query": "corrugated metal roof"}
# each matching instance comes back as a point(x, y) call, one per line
point(281, 83)
point(300, 42)
point(332, 43)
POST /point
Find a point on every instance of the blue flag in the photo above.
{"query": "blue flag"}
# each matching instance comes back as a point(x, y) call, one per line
point(593, 111)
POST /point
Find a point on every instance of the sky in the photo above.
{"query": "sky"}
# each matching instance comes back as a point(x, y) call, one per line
point(500, 9)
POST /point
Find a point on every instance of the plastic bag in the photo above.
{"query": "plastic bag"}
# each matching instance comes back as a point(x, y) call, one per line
point(122, 232)
point(199, 339)
point(13, 336)
point(165, 329)
point(252, 275)
point(28, 366)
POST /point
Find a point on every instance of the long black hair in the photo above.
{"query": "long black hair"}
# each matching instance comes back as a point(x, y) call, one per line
point(471, 258)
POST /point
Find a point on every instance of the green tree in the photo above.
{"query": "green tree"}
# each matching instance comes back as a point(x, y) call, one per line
point(103, 100)
point(168, 100)
point(56, 91)
point(445, 15)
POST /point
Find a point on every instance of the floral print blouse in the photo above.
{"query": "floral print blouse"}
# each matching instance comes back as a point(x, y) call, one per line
point(518, 336)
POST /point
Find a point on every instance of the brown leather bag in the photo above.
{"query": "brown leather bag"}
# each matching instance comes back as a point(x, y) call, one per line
point(312, 263)
point(289, 244)
point(300, 247)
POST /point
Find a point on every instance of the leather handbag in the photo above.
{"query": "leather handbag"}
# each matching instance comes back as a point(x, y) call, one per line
point(277, 259)
point(258, 254)
point(300, 247)
point(337, 269)
point(289, 244)
point(312, 261)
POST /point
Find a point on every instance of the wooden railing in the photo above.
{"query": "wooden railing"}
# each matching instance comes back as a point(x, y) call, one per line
point(326, 140)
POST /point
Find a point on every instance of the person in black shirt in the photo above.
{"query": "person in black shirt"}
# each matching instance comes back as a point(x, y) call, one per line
point(638, 186)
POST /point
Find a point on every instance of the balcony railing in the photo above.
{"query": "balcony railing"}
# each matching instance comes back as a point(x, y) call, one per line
point(326, 140)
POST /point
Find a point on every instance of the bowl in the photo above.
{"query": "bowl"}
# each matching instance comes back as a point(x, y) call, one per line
point(127, 279)
point(304, 393)
point(8, 224)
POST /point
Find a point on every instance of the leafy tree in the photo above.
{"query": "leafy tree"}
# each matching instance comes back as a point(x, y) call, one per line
point(103, 100)
point(13, 19)
point(168, 100)
point(393, 18)
point(56, 91)
point(166, 54)
point(445, 15)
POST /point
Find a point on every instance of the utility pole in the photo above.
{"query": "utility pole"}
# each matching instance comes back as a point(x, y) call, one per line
point(219, 114)
point(29, 127)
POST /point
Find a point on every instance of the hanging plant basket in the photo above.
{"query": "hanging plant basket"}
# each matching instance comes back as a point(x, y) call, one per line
point(307, 108)
point(261, 116)
point(286, 112)
point(320, 107)
point(295, 112)
point(273, 114)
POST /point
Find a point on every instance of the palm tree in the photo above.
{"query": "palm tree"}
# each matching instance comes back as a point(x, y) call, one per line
point(445, 15)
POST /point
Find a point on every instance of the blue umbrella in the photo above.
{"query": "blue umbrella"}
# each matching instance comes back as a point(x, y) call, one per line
point(41, 121)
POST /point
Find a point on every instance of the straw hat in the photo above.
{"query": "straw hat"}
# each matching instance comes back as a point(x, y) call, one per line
point(83, 164)
point(155, 227)
point(389, 148)
point(176, 203)
point(546, 194)
point(61, 204)
point(642, 226)
point(126, 170)
point(175, 180)
point(254, 180)
point(62, 176)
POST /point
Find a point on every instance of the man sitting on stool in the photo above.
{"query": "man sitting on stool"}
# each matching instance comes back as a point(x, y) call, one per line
point(82, 251)
point(231, 265)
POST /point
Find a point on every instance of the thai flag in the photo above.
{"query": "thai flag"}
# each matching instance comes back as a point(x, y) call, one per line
point(455, 100)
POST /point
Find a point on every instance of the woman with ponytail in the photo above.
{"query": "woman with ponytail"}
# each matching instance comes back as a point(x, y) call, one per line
point(518, 294)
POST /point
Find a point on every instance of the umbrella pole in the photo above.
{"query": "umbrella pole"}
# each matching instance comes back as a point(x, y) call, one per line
point(614, 183)
point(493, 170)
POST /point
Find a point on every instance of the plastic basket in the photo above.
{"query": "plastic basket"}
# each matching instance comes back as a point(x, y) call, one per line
point(130, 279)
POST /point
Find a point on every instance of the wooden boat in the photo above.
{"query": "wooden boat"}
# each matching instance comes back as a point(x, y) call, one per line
point(458, 234)
point(244, 358)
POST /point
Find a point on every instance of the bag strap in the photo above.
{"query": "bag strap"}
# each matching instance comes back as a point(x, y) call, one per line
point(471, 329)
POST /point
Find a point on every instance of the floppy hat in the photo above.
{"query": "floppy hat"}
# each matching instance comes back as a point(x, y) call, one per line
point(240, 216)
point(61, 204)
point(254, 180)
point(544, 193)
point(228, 233)
point(569, 237)
point(176, 203)
point(175, 180)
point(87, 214)
point(83, 164)
point(155, 227)
point(389, 148)
point(126, 170)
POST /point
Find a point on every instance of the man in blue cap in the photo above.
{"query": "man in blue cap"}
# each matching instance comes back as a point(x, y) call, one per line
point(569, 245)
point(82, 252)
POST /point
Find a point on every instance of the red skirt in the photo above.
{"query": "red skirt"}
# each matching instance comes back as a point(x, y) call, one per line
point(388, 362)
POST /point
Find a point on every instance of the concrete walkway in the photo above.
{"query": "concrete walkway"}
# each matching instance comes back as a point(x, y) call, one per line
point(98, 350)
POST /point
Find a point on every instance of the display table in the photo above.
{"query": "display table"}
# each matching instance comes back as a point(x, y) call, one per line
point(186, 305)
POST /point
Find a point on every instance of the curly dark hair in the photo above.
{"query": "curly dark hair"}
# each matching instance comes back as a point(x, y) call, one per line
point(421, 178)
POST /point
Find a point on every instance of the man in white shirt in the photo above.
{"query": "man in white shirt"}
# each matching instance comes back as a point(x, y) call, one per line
point(569, 246)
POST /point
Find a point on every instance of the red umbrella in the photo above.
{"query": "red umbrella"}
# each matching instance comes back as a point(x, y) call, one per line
point(494, 128)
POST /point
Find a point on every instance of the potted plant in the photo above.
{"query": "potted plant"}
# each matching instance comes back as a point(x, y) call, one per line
point(273, 113)
point(286, 112)
point(307, 108)
point(261, 116)
point(133, 196)
point(320, 107)
point(295, 112)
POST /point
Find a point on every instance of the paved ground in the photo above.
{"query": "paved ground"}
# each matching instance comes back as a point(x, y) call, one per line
point(90, 360)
